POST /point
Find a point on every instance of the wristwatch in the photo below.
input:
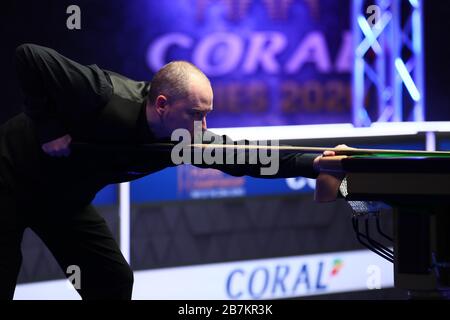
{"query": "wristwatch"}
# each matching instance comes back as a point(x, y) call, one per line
point(343, 188)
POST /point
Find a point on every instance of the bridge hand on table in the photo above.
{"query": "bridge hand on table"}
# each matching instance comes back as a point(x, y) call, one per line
point(327, 183)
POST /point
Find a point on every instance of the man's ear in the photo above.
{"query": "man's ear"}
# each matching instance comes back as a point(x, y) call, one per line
point(160, 104)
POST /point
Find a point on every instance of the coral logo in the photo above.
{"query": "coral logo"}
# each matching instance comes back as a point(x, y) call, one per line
point(337, 266)
point(282, 280)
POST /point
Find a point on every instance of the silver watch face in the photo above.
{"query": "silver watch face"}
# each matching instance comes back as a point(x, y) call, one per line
point(343, 187)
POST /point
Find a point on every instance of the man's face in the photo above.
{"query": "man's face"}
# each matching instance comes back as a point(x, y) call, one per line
point(183, 112)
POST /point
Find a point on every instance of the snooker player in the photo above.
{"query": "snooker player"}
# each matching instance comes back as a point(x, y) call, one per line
point(47, 184)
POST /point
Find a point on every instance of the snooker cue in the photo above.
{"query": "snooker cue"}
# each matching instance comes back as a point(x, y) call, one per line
point(282, 148)
point(338, 151)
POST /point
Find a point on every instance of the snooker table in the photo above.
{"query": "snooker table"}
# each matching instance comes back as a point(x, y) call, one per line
point(417, 189)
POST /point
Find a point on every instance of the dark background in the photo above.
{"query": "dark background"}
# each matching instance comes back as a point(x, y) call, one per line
point(44, 22)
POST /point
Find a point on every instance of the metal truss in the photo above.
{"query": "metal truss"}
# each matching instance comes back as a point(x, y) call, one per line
point(388, 74)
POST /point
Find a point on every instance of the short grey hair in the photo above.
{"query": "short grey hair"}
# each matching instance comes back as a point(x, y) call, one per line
point(172, 80)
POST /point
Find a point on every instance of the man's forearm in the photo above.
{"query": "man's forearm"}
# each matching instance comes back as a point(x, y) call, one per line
point(282, 165)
